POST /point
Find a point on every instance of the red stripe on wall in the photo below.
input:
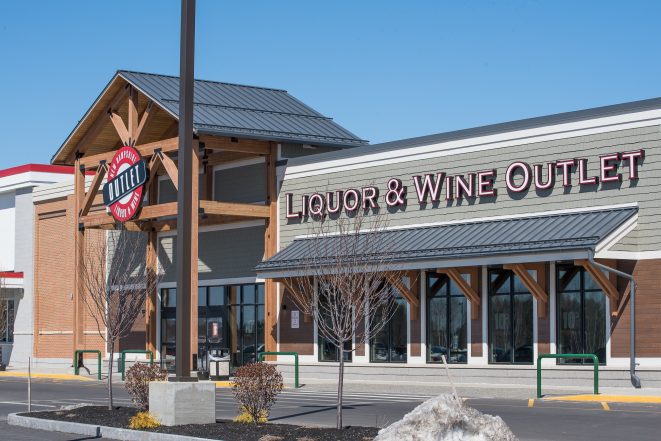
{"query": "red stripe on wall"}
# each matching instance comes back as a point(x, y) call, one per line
point(44, 168)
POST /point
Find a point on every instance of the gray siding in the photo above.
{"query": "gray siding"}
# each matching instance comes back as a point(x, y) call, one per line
point(644, 238)
point(240, 184)
point(291, 150)
point(166, 191)
point(223, 254)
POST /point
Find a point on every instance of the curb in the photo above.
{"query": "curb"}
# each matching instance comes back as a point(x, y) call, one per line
point(639, 399)
point(48, 376)
point(92, 430)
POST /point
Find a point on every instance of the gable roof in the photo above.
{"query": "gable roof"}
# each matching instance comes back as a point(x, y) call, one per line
point(225, 109)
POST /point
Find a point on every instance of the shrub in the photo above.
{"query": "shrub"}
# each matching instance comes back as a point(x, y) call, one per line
point(256, 387)
point(138, 377)
point(143, 420)
point(245, 418)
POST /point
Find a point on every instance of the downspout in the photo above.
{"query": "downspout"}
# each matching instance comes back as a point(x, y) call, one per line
point(635, 381)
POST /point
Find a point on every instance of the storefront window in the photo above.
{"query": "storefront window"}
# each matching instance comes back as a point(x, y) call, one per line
point(581, 317)
point(446, 321)
point(6, 321)
point(389, 344)
point(230, 323)
point(510, 319)
point(329, 351)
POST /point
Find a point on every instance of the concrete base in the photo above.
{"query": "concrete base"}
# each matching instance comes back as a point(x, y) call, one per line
point(183, 403)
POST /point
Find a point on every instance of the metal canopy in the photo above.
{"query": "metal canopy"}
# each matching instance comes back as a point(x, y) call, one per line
point(570, 235)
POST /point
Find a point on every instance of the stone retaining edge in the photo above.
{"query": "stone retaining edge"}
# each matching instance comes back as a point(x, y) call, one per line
point(14, 419)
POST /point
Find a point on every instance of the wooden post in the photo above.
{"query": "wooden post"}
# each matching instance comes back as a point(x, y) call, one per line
point(270, 248)
point(79, 254)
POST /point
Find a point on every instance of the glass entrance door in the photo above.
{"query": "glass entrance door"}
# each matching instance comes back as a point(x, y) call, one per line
point(446, 321)
point(510, 319)
point(230, 322)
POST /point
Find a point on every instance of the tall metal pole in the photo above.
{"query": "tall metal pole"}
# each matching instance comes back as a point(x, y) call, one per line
point(185, 194)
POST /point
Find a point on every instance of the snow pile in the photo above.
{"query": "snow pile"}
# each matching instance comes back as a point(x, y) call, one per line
point(443, 418)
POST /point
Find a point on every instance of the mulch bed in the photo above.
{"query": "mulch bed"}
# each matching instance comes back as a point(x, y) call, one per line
point(223, 429)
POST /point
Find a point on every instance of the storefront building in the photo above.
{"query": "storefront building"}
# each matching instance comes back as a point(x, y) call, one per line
point(17, 185)
point(498, 225)
point(500, 228)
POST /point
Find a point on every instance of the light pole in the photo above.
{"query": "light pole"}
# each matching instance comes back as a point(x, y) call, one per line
point(185, 194)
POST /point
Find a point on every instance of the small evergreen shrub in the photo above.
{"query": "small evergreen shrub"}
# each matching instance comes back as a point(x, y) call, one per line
point(143, 420)
point(256, 388)
point(137, 381)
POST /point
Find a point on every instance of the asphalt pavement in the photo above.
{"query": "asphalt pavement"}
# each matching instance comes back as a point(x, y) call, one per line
point(534, 420)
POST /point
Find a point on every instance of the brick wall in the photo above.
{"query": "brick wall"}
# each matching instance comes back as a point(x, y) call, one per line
point(648, 312)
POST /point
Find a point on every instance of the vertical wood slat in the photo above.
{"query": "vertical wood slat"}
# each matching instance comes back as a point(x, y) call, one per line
point(270, 247)
point(133, 115)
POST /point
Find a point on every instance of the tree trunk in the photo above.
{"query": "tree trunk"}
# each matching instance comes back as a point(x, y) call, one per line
point(340, 387)
point(110, 362)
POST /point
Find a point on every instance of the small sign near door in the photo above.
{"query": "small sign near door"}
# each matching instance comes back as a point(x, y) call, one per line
point(294, 319)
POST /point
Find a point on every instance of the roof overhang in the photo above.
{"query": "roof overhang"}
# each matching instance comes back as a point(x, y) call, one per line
point(541, 238)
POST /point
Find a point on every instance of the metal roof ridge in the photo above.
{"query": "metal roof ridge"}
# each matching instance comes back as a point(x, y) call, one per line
point(293, 134)
point(249, 86)
point(248, 109)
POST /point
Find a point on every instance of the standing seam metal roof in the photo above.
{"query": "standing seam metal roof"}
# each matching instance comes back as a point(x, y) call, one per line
point(564, 231)
point(226, 109)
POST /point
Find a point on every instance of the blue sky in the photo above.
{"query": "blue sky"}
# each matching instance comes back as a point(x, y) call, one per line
point(384, 69)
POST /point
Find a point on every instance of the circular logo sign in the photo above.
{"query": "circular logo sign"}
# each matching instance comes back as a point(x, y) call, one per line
point(127, 174)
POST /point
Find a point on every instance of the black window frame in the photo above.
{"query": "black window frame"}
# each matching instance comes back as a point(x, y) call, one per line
point(447, 287)
point(582, 273)
point(512, 294)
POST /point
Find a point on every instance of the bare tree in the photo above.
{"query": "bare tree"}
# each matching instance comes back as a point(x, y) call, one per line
point(114, 283)
point(346, 288)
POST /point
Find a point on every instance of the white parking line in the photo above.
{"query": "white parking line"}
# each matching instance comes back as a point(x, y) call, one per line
point(21, 403)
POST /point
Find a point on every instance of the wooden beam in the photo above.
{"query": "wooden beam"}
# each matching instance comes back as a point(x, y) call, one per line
point(145, 150)
point(147, 212)
point(602, 280)
point(236, 209)
point(538, 291)
point(171, 169)
point(120, 128)
point(153, 166)
point(253, 147)
point(100, 122)
point(93, 190)
point(466, 288)
point(150, 110)
point(270, 248)
point(133, 115)
point(409, 295)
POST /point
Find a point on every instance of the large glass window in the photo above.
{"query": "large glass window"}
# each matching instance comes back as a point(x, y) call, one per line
point(7, 320)
point(581, 317)
point(510, 319)
point(328, 351)
point(230, 322)
point(389, 344)
point(446, 321)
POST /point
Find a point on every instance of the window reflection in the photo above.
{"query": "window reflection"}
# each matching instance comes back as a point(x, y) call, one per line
point(581, 317)
point(446, 321)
